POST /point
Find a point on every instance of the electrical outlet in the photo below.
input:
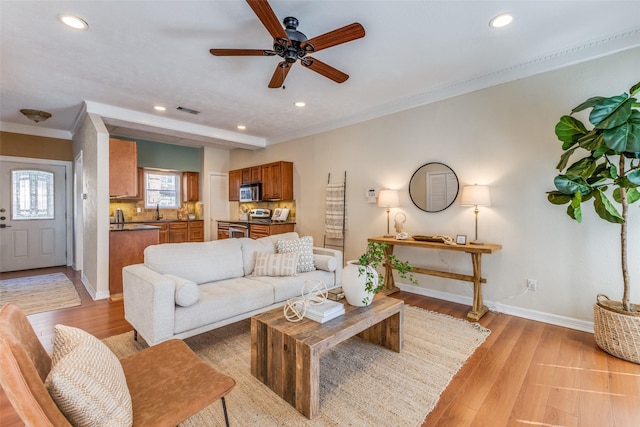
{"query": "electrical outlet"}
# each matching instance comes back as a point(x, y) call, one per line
point(532, 285)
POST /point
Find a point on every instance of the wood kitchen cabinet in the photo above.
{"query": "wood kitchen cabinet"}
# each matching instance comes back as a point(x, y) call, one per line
point(126, 248)
point(123, 168)
point(235, 179)
point(251, 175)
point(257, 231)
point(277, 181)
point(223, 230)
point(178, 232)
point(190, 186)
point(195, 231)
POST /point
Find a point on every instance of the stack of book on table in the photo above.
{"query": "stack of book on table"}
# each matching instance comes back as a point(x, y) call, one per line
point(323, 312)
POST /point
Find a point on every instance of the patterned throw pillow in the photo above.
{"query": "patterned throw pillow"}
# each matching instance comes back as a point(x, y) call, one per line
point(304, 246)
point(87, 381)
point(276, 264)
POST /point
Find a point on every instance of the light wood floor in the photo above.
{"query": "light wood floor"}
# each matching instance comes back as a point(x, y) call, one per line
point(525, 374)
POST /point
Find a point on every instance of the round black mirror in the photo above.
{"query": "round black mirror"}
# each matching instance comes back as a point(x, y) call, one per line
point(433, 187)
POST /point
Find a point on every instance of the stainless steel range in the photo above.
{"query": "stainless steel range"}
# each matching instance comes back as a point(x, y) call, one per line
point(260, 213)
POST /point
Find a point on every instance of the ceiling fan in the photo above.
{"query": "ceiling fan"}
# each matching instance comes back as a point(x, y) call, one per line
point(291, 45)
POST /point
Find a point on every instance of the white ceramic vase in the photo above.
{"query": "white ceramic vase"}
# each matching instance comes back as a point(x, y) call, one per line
point(354, 279)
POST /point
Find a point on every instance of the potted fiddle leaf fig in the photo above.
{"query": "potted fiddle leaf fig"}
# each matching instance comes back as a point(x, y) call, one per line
point(608, 172)
point(361, 281)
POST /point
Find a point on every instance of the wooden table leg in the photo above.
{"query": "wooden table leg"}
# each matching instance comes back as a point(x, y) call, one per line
point(479, 309)
point(389, 282)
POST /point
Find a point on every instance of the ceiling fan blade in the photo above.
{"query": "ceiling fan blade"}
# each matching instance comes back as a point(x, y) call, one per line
point(326, 70)
point(241, 52)
point(280, 74)
point(332, 38)
point(269, 19)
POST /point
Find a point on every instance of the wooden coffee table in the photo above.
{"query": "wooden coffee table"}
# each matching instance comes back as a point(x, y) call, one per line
point(286, 355)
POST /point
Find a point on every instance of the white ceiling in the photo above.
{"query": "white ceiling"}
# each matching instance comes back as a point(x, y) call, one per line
point(137, 54)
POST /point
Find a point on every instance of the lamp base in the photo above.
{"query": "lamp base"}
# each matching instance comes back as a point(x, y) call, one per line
point(389, 235)
point(476, 242)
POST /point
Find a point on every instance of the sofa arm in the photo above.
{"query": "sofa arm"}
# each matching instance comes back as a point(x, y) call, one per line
point(334, 253)
point(149, 303)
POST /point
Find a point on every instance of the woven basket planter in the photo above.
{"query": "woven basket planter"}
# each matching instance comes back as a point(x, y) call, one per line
point(616, 331)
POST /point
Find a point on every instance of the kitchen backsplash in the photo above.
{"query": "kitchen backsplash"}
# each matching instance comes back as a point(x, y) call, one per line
point(246, 207)
point(131, 213)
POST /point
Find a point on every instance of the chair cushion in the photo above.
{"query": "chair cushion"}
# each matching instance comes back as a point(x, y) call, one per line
point(187, 293)
point(276, 264)
point(87, 381)
point(304, 246)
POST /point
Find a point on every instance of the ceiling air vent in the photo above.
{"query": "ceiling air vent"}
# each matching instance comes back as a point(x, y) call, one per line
point(187, 110)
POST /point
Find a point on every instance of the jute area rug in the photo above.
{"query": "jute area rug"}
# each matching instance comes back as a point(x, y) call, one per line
point(35, 294)
point(361, 384)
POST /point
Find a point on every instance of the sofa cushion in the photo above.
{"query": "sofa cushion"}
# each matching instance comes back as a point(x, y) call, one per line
point(199, 262)
point(289, 287)
point(87, 382)
point(249, 249)
point(276, 264)
point(304, 246)
point(187, 293)
point(224, 299)
point(325, 262)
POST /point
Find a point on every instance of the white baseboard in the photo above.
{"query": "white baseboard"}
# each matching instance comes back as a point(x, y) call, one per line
point(538, 316)
point(92, 292)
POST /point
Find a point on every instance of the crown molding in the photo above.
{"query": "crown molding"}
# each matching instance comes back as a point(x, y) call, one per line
point(35, 130)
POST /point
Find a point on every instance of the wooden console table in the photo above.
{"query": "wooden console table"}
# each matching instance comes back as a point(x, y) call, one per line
point(478, 309)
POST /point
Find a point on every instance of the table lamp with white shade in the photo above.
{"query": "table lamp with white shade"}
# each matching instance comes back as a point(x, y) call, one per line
point(388, 199)
point(475, 195)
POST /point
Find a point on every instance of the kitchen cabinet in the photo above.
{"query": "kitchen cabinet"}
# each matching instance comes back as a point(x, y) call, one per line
point(235, 179)
point(126, 248)
point(257, 231)
point(178, 232)
point(190, 186)
point(123, 168)
point(251, 175)
point(277, 181)
point(223, 230)
point(195, 231)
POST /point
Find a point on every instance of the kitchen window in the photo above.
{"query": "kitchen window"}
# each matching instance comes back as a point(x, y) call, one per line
point(161, 188)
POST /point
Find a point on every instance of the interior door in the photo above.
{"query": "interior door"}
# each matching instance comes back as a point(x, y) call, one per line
point(32, 216)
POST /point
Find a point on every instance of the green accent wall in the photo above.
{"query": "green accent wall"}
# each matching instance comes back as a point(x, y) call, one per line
point(168, 156)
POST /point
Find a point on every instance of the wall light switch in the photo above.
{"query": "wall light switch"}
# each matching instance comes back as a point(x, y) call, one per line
point(371, 195)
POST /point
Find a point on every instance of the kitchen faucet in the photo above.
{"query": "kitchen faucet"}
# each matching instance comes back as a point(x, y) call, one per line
point(158, 211)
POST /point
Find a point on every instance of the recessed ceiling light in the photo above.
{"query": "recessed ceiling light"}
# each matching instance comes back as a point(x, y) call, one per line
point(241, 127)
point(501, 21)
point(299, 104)
point(159, 108)
point(73, 22)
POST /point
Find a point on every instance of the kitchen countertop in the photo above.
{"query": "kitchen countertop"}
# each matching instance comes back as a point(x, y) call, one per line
point(266, 221)
point(149, 221)
point(131, 227)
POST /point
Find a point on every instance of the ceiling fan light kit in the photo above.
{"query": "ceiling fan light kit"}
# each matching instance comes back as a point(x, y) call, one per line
point(292, 45)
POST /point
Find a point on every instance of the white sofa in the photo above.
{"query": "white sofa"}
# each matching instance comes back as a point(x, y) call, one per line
point(185, 289)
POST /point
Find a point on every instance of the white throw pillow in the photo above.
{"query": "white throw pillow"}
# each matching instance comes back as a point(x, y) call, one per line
point(87, 383)
point(276, 264)
point(304, 246)
point(325, 262)
point(187, 293)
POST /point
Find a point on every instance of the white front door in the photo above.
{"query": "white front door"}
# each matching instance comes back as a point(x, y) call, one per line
point(33, 225)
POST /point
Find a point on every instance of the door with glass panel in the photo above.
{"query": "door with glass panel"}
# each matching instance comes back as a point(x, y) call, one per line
point(32, 216)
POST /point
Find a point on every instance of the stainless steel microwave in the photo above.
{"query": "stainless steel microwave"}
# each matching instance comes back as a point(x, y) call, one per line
point(250, 192)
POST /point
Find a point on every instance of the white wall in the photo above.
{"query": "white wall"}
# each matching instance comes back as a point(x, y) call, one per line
point(92, 139)
point(501, 136)
point(215, 160)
